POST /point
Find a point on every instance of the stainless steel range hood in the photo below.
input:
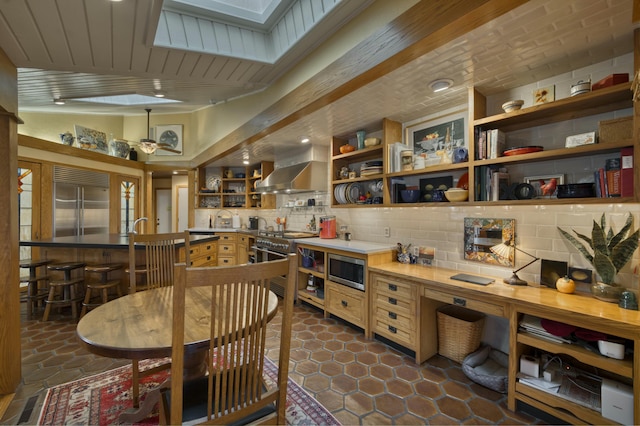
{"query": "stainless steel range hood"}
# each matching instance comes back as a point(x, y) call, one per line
point(303, 177)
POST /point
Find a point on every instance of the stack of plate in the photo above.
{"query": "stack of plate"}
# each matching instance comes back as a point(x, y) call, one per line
point(371, 168)
point(348, 193)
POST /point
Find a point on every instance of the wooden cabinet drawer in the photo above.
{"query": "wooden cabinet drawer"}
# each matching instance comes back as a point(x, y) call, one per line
point(243, 239)
point(227, 237)
point(226, 260)
point(402, 306)
point(225, 249)
point(395, 289)
point(395, 318)
point(346, 303)
point(207, 260)
point(476, 305)
point(394, 330)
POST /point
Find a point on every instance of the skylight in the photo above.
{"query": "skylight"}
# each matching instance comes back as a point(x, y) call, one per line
point(126, 100)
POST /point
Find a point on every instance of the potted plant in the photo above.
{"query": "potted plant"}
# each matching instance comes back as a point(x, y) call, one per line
point(609, 254)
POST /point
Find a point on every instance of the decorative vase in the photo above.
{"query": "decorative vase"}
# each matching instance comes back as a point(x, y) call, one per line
point(360, 134)
point(606, 292)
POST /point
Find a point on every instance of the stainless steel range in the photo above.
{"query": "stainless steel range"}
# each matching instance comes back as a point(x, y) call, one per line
point(274, 245)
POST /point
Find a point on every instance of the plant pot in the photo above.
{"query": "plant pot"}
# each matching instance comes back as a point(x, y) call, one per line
point(606, 292)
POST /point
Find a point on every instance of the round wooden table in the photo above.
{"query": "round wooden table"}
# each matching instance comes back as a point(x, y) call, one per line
point(138, 326)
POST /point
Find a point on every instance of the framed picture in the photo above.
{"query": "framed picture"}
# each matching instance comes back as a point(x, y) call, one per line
point(480, 235)
point(438, 138)
point(93, 140)
point(169, 135)
point(544, 95)
point(545, 186)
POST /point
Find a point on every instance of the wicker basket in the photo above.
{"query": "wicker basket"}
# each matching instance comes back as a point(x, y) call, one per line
point(615, 130)
point(459, 331)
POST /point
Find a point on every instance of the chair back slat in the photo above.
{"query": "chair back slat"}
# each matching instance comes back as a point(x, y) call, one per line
point(160, 256)
point(239, 314)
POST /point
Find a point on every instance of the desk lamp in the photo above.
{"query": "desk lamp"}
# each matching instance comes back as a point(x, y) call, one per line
point(503, 250)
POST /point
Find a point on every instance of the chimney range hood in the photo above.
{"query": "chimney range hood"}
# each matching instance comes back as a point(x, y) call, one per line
point(303, 177)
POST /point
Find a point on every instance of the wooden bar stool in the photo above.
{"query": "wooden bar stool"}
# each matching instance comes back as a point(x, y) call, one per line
point(101, 287)
point(36, 293)
point(68, 289)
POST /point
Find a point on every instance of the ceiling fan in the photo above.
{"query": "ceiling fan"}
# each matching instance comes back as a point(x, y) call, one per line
point(168, 140)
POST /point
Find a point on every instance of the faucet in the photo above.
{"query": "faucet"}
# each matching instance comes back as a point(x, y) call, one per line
point(135, 222)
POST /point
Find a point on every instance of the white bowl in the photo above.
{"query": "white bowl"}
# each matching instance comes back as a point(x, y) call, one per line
point(512, 105)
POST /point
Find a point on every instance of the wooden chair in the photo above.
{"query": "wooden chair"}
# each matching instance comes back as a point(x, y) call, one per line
point(160, 257)
point(234, 390)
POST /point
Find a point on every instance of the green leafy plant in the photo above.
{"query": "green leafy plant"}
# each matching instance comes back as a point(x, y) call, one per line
point(609, 253)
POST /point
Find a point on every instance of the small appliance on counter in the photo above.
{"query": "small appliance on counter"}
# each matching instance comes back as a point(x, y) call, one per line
point(328, 227)
point(235, 221)
point(253, 222)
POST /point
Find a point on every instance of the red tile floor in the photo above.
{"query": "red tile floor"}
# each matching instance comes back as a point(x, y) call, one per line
point(358, 380)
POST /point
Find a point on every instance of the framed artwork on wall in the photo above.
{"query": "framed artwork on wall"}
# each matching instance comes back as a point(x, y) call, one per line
point(545, 186)
point(169, 136)
point(437, 139)
point(93, 140)
point(481, 234)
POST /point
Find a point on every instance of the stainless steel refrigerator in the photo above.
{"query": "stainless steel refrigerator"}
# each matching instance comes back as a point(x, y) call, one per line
point(81, 202)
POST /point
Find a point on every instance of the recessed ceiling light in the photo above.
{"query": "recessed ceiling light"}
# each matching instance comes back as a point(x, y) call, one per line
point(304, 139)
point(159, 94)
point(245, 162)
point(441, 84)
point(59, 101)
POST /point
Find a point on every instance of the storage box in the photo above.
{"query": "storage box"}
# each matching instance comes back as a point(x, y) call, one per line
point(615, 130)
point(617, 402)
point(610, 80)
point(459, 331)
point(581, 139)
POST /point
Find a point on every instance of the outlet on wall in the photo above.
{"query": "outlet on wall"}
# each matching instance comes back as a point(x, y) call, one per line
point(387, 231)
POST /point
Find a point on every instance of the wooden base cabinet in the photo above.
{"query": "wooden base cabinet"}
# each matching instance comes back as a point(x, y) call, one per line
point(525, 343)
point(347, 303)
point(227, 247)
point(201, 254)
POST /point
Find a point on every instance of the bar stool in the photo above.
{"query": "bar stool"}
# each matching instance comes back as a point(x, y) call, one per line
point(69, 289)
point(101, 287)
point(35, 292)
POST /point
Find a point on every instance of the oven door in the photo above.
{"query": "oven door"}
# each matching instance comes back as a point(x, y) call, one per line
point(277, 283)
point(263, 254)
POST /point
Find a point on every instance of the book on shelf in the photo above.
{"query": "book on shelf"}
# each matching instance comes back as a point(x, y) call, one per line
point(496, 141)
point(499, 185)
point(626, 172)
point(481, 143)
point(612, 176)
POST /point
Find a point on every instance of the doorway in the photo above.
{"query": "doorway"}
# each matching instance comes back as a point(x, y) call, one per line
point(163, 211)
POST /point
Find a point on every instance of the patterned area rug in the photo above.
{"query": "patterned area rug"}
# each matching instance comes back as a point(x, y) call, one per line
point(99, 399)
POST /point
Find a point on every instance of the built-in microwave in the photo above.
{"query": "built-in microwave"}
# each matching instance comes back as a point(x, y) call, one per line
point(347, 270)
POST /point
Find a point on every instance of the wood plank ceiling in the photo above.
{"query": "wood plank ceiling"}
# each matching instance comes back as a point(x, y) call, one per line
point(79, 47)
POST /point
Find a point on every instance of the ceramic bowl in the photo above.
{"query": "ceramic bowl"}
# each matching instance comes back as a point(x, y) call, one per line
point(512, 105)
point(456, 194)
point(371, 142)
point(410, 195)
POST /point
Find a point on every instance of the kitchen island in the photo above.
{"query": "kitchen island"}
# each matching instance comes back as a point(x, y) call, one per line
point(109, 248)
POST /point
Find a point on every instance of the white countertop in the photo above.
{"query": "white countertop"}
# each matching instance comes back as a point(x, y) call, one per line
point(356, 246)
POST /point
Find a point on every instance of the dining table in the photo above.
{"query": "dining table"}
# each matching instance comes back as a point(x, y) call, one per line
point(138, 326)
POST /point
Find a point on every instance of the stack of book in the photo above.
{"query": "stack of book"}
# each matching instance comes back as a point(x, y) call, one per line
point(490, 143)
point(615, 179)
point(492, 183)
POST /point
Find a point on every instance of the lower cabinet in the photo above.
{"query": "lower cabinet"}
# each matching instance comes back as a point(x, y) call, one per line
point(244, 244)
point(395, 310)
point(346, 303)
point(227, 246)
point(201, 254)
